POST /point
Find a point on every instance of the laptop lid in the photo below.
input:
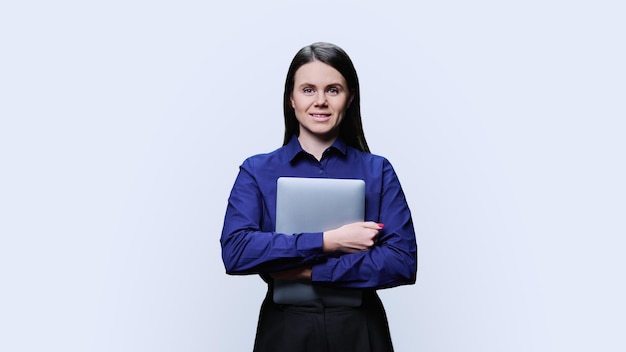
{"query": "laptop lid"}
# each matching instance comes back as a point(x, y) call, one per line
point(318, 204)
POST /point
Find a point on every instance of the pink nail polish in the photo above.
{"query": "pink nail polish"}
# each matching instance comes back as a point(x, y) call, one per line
point(381, 226)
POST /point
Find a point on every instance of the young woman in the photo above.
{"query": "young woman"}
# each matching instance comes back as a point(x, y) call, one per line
point(323, 138)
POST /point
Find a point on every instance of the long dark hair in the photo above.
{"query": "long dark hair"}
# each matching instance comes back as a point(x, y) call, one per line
point(351, 128)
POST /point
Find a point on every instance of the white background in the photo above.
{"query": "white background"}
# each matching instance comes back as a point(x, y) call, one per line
point(123, 124)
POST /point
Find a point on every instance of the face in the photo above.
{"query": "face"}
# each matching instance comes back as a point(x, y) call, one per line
point(320, 98)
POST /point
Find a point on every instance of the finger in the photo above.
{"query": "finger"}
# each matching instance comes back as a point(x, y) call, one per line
point(374, 225)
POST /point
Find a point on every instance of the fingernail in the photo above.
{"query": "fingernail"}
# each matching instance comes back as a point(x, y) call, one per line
point(381, 225)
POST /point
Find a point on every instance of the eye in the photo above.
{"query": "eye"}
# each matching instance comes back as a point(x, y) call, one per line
point(333, 90)
point(308, 90)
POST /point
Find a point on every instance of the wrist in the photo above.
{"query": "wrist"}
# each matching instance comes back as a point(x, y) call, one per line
point(328, 244)
point(307, 273)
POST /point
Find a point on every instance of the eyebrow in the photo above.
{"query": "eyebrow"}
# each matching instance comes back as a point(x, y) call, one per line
point(328, 85)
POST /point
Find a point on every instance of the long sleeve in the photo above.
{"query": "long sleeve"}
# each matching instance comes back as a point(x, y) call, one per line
point(393, 260)
point(248, 244)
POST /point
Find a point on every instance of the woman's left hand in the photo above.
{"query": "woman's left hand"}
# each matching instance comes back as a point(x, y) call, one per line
point(303, 273)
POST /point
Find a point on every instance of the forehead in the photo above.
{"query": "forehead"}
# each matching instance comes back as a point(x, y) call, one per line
point(318, 73)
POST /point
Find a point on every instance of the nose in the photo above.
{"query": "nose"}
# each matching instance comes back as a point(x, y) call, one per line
point(320, 98)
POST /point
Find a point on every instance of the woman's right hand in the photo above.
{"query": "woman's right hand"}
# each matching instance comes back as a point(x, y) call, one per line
point(351, 238)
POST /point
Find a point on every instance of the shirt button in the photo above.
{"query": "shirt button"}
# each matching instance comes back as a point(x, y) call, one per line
point(321, 172)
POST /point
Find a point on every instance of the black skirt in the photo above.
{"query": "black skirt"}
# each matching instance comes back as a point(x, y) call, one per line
point(315, 328)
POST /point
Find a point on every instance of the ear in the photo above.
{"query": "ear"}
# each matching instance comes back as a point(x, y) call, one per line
point(293, 104)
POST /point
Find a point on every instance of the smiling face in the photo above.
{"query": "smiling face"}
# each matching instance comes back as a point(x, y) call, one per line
point(320, 98)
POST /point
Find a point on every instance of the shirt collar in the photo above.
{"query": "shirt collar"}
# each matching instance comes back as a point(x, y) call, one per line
point(294, 149)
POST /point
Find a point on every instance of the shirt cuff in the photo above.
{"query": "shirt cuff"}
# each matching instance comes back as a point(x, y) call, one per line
point(321, 272)
point(310, 243)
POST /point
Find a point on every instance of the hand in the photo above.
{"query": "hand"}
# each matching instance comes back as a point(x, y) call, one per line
point(352, 238)
point(303, 273)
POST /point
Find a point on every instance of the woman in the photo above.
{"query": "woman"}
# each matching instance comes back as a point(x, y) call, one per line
point(323, 138)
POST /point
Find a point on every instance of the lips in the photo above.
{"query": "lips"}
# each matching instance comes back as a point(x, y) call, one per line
point(320, 117)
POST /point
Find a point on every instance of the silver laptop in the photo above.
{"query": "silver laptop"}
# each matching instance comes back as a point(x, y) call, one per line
point(317, 205)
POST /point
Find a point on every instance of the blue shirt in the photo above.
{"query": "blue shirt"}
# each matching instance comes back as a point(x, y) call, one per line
point(251, 246)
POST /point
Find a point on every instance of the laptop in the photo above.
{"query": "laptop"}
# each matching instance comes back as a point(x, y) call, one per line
point(317, 205)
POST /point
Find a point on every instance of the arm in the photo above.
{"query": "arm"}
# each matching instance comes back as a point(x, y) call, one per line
point(351, 238)
point(246, 247)
point(392, 261)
